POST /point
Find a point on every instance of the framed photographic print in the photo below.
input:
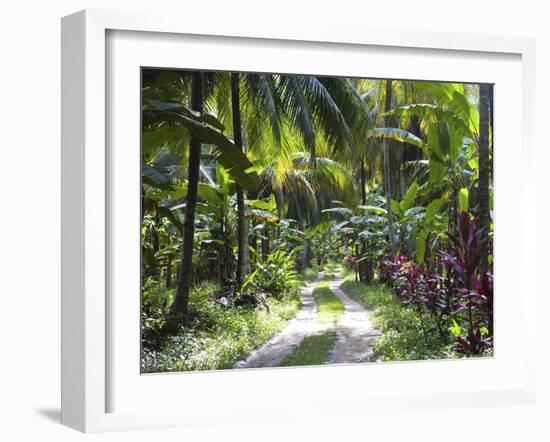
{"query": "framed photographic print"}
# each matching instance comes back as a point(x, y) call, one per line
point(319, 216)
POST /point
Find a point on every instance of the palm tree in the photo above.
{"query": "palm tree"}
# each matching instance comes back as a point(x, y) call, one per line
point(386, 147)
point(165, 114)
point(241, 220)
point(387, 164)
point(314, 106)
point(483, 152)
point(294, 107)
point(181, 298)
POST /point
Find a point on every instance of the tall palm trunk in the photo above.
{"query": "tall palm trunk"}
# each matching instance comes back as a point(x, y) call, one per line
point(483, 184)
point(365, 266)
point(386, 146)
point(181, 299)
point(241, 220)
point(363, 182)
point(252, 239)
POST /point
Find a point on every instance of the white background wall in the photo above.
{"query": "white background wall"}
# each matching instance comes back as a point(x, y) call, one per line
point(30, 220)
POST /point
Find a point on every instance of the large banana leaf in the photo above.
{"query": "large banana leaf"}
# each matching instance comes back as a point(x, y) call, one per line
point(439, 139)
point(164, 135)
point(437, 171)
point(463, 198)
point(207, 129)
point(374, 209)
point(260, 215)
point(344, 211)
point(432, 210)
point(396, 134)
point(410, 196)
point(453, 96)
point(156, 176)
point(268, 205)
point(421, 238)
point(213, 197)
point(435, 112)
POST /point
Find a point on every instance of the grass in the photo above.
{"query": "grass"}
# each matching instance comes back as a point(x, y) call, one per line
point(215, 337)
point(327, 276)
point(313, 350)
point(402, 337)
point(329, 306)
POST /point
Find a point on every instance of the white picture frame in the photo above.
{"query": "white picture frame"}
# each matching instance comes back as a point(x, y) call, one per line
point(86, 356)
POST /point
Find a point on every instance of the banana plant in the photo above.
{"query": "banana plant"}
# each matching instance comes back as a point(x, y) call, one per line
point(363, 232)
point(208, 129)
point(449, 146)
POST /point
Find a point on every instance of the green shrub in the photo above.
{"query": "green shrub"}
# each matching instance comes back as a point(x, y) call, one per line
point(214, 336)
point(274, 275)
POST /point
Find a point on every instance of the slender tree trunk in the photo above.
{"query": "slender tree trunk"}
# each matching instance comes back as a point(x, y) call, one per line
point(362, 267)
point(246, 252)
point(483, 184)
point(254, 246)
point(356, 266)
point(247, 236)
point(181, 298)
point(252, 239)
point(222, 254)
point(227, 261)
point(302, 221)
point(241, 220)
point(305, 253)
point(363, 183)
point(265, 242)
point(387, 168)
point(169, 272)
point(155, 243)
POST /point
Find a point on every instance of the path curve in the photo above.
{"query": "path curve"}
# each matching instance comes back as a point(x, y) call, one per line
point(355, 332)
point(302, 325)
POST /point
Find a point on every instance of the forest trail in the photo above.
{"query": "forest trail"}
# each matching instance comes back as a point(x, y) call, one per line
point(304, 324)
point(355, 333)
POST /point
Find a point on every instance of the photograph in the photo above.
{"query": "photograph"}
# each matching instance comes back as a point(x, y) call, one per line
point(292, 220)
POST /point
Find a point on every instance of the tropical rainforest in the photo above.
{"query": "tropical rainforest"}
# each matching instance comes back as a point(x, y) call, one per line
point(292, 220)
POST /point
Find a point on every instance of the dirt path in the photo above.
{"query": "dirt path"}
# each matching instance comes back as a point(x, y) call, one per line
point(355, 332)
point(304, 324)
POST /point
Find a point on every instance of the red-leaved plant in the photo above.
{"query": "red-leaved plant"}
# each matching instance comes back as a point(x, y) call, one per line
point(459, 299)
